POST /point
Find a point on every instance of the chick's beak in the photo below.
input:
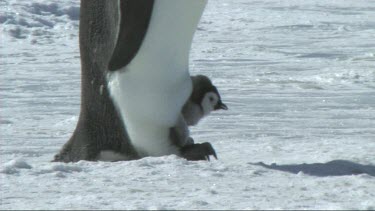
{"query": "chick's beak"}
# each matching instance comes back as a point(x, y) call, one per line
point(221, 105)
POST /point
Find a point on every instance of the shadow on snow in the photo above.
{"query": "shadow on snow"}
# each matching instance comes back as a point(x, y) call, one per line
point(332, 168)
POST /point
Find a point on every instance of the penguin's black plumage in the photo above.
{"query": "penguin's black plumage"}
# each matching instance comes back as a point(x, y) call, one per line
point(100, 126)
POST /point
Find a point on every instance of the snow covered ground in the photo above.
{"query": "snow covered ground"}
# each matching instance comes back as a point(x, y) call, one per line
point(298, 78)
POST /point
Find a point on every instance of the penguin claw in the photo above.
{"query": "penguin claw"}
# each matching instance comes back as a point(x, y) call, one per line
point(196, 152)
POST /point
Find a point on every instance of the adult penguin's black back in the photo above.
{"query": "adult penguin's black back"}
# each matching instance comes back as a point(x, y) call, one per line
point(100, 126)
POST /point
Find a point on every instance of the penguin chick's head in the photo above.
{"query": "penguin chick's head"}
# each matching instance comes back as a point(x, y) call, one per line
point(205, 95)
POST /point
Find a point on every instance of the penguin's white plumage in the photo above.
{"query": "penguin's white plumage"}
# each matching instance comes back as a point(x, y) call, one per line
point(150, 91)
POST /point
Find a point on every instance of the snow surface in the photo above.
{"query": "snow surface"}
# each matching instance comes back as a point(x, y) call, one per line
point(298, 78)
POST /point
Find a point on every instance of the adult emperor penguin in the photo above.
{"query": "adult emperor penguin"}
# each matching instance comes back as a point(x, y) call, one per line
point(135, 78)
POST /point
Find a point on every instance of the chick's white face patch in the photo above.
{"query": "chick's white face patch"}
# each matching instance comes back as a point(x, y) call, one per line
point(209, 102)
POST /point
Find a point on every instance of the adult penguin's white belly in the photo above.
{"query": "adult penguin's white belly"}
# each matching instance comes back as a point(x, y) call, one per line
point(150, 91)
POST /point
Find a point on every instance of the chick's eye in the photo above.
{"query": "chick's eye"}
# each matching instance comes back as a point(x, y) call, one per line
point(211, 99)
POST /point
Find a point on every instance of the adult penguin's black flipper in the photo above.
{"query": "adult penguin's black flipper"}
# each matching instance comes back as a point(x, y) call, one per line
point(134, 22)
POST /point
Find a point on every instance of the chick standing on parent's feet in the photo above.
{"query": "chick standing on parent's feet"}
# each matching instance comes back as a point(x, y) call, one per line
point(204, 99)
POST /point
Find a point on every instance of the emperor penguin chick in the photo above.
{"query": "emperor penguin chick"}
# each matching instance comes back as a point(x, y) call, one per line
point(204, 99)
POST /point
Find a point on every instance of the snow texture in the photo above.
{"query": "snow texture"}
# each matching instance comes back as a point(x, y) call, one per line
point(298, 78)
